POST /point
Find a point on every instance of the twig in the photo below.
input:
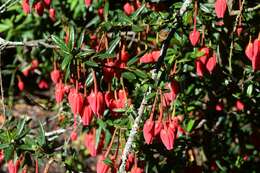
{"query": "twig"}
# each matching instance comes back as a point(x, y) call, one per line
point(232, 35)
point(128, 145)
point(33, 43)
point(46, 169)
point(237, 12)
point(1, 87)
point(54, 132)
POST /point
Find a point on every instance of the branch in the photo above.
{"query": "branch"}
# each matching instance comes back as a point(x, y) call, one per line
point(128, 145)
point(33, 43)
point(237, 12)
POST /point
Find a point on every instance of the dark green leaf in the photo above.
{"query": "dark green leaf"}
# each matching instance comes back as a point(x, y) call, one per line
point(140, 73)
point(66, 61)
point(91, 63)
point(98, 136)
point(113, 45)
point(71, 38)
point(190, 125)
point(42, 139)
point(8, 152)
point(59, 42)
point(129, 76)
point(108, 162)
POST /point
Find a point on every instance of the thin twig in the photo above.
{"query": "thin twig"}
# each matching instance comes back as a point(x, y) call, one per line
point(46, 169)
point(232, 35)
point(128, 145)
point(33, 43)
point(1, 86)
point(237, 12)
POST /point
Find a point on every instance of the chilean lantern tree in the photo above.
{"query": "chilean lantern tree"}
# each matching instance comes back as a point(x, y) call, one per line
point(138, 86)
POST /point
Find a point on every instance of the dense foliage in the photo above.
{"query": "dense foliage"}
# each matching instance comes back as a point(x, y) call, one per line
point(183, 74)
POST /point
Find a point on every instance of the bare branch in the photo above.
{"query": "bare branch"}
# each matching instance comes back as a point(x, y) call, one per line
point(128, 145)
point(237, 12)
point(33, 43)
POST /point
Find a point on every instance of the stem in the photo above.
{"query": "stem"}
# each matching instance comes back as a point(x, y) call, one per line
point(95, 82)
point(111, 143)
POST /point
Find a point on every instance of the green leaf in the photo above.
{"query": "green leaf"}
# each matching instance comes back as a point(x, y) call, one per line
point(20, 126)
point(190, 125)
point(85, 52)
point(129, 76)
point(59, 42)
point(81, 38)
point(140, 73)
point(89, 80)
point(98, 136)
point(91, 63)
point(2, 146)
point(42, 139)
point(113, 45)
point(71, 38)
point(108, 162)
point(95, 20)
point(249, 90)
point(107, 137)
point(8, 152)
point(66, 61)
point(138, 12)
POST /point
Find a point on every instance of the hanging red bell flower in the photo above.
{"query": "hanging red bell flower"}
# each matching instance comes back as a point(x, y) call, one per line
point(137, 169)
point(167, 136)
point(96, 99)
point(148, 130)
point(34, 64)
point(249, 50)
point(52, 14)
point(55, 76)
point(20, 84)
point(88, 3)
point(101, 166)
point(130, 161)
point(124, 55)
point(43, 84)
point(47, 3)
point(87, 114)
point(38, 6)
point(26, 6)
point(59, 92)
point(158, 124)
point(211, 63)
point(13, 168)
point(194, 36)
point(128, 8)
point(220, 8)
point(240, 105)
point(90, 142)
point(169, 97)
point(256, 54)
point(150, 57)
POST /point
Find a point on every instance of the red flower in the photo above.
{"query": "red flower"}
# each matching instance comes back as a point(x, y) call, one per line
point(96, 102)
point(20, 85)
point(170, 96)
point(129, 162)
point(256, 55)
point(39, 8)
point(59, 92)
point(13, 168)
point(148, 130)
point(240, 105)
point(47, 3)
point(101, 166)
point(136, 169)
point(249, 50)
point(88, 3)
point(128, 8)
point(211, 63)
point(55, 76)
point(1, 156)
point(87, 114)
point(150, 57)
point(194, 36)
point(26, 6)
point(220, 8)
point(43, 84)
point(52, 14)
point(167, 136)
